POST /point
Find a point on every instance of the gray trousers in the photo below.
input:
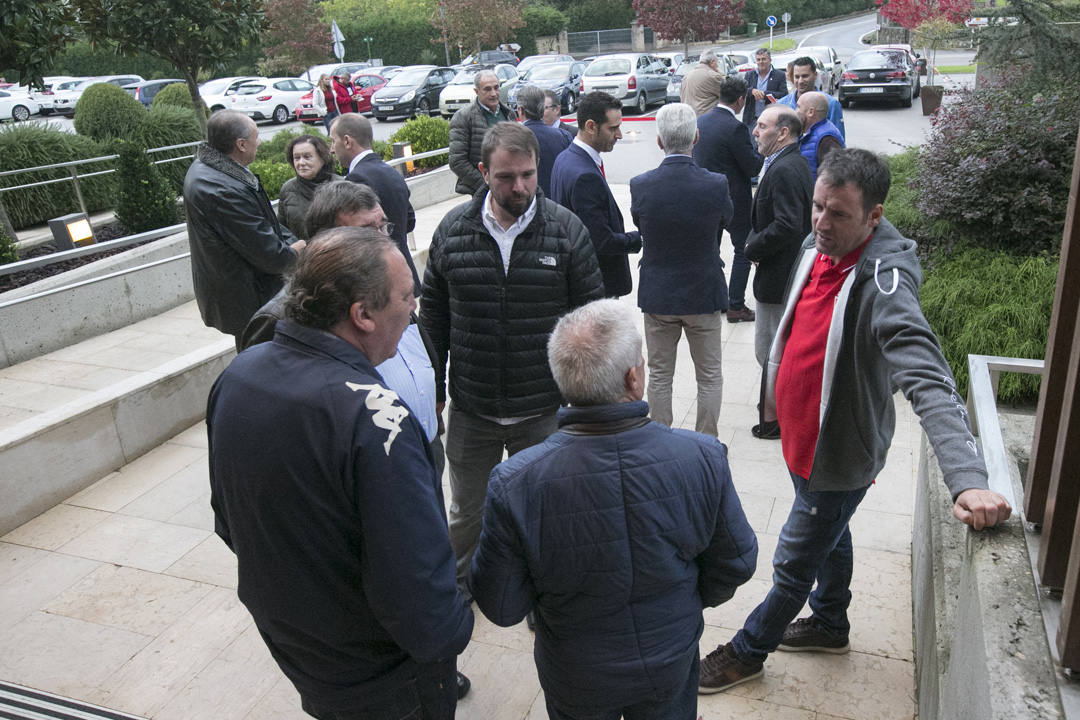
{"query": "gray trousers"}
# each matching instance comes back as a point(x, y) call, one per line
point(703, 334)
point(765, 326)
point(474, 446)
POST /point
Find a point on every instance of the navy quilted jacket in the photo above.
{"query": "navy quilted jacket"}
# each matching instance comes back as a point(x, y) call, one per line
point(618, 531)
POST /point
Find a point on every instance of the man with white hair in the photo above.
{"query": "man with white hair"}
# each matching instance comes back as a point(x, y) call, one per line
point(701, 87)
point(616, 530)
point(681, 286)
point(467, 129)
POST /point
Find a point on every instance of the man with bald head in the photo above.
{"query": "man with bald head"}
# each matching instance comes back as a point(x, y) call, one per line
point(820, 136)
point(467, 129)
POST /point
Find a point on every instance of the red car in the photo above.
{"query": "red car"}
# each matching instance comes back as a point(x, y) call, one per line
point(365, 86)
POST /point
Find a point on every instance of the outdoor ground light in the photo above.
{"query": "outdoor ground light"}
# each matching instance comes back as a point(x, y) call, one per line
point(71, 231)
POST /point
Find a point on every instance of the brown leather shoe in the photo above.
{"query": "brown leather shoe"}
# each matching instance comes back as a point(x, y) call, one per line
point(722, 669)
point(744, 314)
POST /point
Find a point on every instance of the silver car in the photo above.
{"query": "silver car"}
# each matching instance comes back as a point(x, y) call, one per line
point(636, 79)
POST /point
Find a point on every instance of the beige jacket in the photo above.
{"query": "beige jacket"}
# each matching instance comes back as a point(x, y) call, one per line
point(701, 89)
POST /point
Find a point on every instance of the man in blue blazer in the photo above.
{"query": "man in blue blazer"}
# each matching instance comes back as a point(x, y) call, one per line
point(765, 85)
point(724, 147)
point(681, 209)
point(579, 184)
point(351, 137)
point(531, 102)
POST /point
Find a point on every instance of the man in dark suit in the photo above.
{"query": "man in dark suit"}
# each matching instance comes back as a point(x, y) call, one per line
point(681, 209)
point(351, 136)
point(762, 83)
point(531, 101)
point(578, 183)
point(724, 146)
point(780, 222)
point(553, 116)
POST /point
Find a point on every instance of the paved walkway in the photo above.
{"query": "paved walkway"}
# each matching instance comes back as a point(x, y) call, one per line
point(123, 596)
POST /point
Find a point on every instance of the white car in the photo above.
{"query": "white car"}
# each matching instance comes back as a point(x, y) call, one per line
point(50, 85)
point(271, 99)
point(64, 101)
point(16, 106)
point(460, 92)
point(216, 93)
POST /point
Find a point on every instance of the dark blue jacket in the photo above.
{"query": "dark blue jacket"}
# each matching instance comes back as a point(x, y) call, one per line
point(393, 194)
point(576, 184)
point(552, 142)
point(617, 531)
point(724, 146)
point(775, 85)
point(681, 209)
point(323, 484)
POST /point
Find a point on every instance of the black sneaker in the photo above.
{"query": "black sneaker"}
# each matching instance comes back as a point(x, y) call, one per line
point(766, 431)
point(722, 669)
point(804, 635)
point(463, 686)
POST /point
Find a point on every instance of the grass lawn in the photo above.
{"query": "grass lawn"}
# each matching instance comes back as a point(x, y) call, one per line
point(955, 69)
point(781, 44)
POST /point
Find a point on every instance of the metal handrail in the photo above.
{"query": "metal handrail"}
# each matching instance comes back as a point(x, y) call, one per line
point(983, 374)
point(87, 161)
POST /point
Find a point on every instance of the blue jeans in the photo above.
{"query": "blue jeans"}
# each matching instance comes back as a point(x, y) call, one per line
point(681, 705)
point(815, 544)
point(328, 120)
point(430, 694)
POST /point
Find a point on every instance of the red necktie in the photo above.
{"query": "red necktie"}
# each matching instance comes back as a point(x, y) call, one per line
point(602, 170)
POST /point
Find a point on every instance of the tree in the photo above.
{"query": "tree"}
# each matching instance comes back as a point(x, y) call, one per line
point(34, 33)
point(1037, 35)
point(910, 14)
point(192, 35)
point(687, 19)
point(477, 23)
point(296, 39)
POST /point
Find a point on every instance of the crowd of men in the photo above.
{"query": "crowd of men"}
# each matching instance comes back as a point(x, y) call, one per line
point(574, 504)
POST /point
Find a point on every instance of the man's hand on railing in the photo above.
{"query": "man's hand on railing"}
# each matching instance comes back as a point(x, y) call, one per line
point(981, 508)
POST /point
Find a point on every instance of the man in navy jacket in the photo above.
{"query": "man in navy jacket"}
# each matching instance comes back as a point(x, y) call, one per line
point(724, 147)
point(682, 209)
point(616, 530)
point(323, 485)
point(765, 85)
point(552, 141)
point(579, 183)
point(352, 139)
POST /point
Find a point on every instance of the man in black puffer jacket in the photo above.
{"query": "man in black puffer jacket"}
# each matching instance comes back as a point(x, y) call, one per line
point(503, 268)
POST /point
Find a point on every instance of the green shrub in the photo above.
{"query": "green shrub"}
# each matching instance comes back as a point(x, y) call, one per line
point(425, 134)
point(177, 95)
point(383, 149)
point(901, 204)
point(274, 149)
point(167, 125)
point(105, 112)
point(272, 175)
point(989, 302)
point(540, 19)
point(598, 15)
point(8, 252)
point(27, 145)
point(145, 200)
point(998, 164)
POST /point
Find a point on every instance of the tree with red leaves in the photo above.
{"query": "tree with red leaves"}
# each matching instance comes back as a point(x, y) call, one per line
point(296, 39)
point(910, 14)
point(688, 20)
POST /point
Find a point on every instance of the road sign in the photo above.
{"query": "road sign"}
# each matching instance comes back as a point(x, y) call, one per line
point(786, 17)
point(771, 21)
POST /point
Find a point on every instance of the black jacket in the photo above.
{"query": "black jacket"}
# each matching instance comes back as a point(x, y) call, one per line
point(239, 251)
point(295, 199)
point(467, 130)
point(724, 146)
point(775, 85)
point(393, 193)
point(551, 141)
point(781, 220)
point(495, 325)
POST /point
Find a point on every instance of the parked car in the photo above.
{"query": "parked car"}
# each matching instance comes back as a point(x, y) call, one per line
point(915, 58)
point(833, 66)
point(741, 61)
point(216, 93)
point(364, 87)
point(16, 106)
point(671, 60)
point(413, 91)
point(637, 79)
point(145, 91)
point(44, 96)
point(384, 71)
point(887, 74)
point(726, 64)
point(270, 99)
point(313, 73)
point(64, 101)
point(491, 57)
point(460, 92)
point(562, 78)
point(528, 63)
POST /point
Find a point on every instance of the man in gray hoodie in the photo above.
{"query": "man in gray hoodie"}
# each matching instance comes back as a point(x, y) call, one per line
point(852, 332)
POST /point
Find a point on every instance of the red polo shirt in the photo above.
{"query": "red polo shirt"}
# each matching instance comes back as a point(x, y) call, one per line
point(802, 368)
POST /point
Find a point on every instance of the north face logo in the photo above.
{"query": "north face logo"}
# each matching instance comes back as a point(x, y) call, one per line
point(547, 260)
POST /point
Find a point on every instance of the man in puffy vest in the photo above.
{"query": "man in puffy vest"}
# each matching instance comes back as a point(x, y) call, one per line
point(820, 136)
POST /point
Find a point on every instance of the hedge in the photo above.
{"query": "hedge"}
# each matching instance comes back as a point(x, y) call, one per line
point(27, 145)
point(991, 302)
point(177, 95)
point(273, 175)
point(105, 112)
point(144, 201)
point(425, 134)
point(167, 125)
point(274, 148)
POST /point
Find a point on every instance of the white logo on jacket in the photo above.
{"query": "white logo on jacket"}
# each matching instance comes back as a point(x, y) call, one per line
point(388, 415)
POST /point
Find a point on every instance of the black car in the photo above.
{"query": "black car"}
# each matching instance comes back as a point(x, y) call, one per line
point(412, 91)
point(879, 75)
point(562, 78)
point(145, 91)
